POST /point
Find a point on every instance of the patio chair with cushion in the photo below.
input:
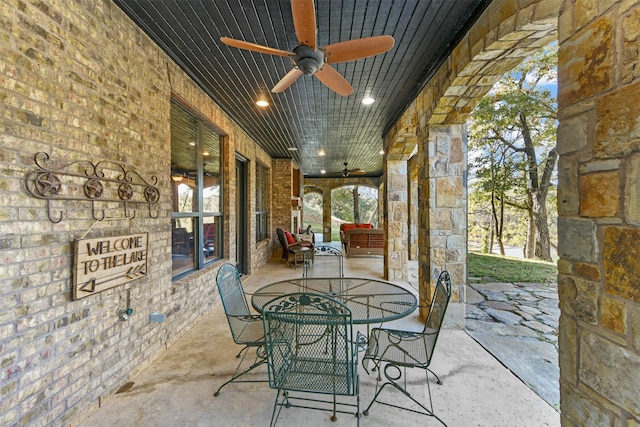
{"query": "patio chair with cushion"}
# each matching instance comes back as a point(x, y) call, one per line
point(291, 245)
point(310, 353)
point(246, 328)
point(393, 351)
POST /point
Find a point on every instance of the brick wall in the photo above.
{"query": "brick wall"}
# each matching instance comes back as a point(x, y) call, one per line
point(79, 81)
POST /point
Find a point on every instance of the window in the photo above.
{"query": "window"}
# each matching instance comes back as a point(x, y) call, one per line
point(196, 182)
point(262, 202)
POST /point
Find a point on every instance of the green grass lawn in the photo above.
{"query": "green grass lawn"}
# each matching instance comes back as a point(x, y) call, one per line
point(485, 268)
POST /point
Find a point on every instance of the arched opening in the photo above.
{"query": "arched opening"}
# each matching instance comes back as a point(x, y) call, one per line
point(353, 204)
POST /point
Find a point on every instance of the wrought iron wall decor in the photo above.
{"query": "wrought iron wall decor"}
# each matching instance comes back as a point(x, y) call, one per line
point(103, 182)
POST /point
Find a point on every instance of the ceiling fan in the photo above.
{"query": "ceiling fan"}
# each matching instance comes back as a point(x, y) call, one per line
point(309, 59)
point(347, 172)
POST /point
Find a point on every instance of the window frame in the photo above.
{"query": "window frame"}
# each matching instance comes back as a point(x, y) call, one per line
point(263, 195)
point(198, 216)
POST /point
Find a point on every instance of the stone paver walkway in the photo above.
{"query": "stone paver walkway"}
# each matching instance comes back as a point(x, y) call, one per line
point(518, 324)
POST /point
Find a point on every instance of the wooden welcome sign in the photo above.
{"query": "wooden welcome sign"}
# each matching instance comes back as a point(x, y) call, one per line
point(105, 262)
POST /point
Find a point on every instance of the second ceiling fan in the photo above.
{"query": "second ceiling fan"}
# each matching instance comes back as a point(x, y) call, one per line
point(347, 172)
point(311, 60)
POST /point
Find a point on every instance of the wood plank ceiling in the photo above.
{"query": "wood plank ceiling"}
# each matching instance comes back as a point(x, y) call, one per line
point(308, 116)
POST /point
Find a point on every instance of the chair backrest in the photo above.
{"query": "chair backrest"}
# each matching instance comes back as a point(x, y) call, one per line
point(309, 345)
point(283, 243)
point(437, 310)
point(233, 297)
point(327, 262)
point(281, 239)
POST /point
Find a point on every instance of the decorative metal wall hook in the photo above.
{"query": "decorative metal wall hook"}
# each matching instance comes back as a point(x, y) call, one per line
point(55, 221)
point(153, 215)
point(128, 214)
point(105, 181)
point(93, 212)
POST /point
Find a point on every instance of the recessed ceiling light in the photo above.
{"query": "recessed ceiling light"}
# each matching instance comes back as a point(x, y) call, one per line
point(321, 152)
point(292, 149)
point(381, 151)
point(368, 100)
point(205, 153)
point(323, 171)
point(262, 103)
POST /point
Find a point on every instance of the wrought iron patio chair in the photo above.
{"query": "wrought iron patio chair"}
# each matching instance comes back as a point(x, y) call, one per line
point(310, 353)
point(327, 262)
point(246, 328)
point(398, 350)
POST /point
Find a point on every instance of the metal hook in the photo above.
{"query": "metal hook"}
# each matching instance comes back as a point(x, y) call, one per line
point(152, 215)
point(49, 214)
point(93, 212)
point(126, 212)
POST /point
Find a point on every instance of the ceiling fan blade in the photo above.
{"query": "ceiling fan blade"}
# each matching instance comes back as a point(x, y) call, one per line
point(333, 80)
point(304, 21)
point(287, 80)
point(241, 44)
point(351, 50)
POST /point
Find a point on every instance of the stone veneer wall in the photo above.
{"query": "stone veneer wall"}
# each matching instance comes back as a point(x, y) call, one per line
point(80, 81)
point(599, 213)
point(506, 33)
point(413, 235)
point(599, 177)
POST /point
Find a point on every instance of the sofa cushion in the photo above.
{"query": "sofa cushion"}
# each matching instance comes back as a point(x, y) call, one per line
point(347, 226)
point(364, 225)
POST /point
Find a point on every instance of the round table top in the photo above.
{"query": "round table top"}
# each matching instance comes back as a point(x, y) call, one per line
point(370, 300)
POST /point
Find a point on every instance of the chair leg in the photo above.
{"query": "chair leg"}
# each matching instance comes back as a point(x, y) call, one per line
point(277, 407)
point(438, 381)
point(391, 379)
point(259, 360)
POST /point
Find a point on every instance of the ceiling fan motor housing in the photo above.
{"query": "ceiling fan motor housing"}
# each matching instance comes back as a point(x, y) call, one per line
point(308, 60)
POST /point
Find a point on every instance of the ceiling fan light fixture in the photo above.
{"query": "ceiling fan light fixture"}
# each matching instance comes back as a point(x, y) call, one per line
point(176, 177)
point(367, 100)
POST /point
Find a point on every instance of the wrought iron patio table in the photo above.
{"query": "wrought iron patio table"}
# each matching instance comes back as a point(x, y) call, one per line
point(370, 300)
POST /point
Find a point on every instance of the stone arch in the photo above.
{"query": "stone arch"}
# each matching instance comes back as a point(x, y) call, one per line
point(324, 186)
point(503, 36)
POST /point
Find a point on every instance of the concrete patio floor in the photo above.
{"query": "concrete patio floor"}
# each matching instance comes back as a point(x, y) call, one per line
point(177, 388)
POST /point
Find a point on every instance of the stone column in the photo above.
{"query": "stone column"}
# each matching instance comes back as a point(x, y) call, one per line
point(443, 215)
point(412, 238)
point(396, 220)
point(599, 213)
point(326, 213)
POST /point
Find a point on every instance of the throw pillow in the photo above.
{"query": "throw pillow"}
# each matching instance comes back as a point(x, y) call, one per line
point(289, 237)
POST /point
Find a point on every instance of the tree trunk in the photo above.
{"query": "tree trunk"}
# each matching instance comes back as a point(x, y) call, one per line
point(531, 235)
point(501, 224)
point(356, 205)
point(498, 221)
point(538, 191)
point(491, 230)
point(543, 247)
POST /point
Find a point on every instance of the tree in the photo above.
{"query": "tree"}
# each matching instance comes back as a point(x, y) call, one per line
point(519, 115)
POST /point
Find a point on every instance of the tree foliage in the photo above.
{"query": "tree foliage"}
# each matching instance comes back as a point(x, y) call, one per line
point(512, 141)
